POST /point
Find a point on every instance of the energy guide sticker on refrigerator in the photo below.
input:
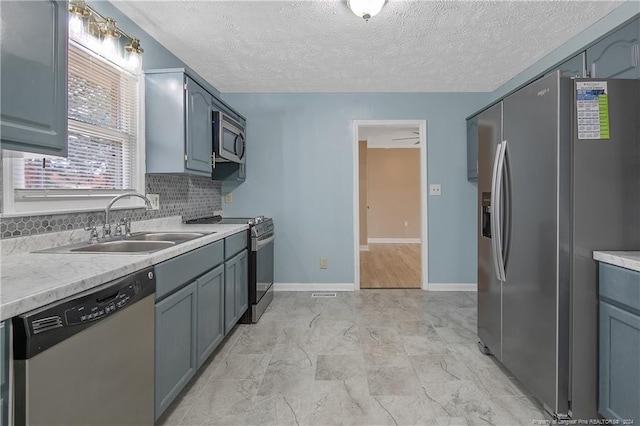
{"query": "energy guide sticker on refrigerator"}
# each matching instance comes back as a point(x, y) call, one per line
point(592, 104)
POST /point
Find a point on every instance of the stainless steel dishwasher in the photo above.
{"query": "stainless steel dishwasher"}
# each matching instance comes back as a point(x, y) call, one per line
point(88, 359)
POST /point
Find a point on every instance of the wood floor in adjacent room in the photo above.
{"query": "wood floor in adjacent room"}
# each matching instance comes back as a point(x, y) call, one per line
point(390, 266)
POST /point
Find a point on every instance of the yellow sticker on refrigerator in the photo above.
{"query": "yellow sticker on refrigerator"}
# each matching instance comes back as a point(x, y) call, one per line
point(592, 105)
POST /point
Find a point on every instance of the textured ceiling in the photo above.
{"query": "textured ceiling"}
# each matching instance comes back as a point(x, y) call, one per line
point(320, 46)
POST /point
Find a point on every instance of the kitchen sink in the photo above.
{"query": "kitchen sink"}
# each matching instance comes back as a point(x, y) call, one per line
point(165, 236)
point(139, 243)
point(124, 246)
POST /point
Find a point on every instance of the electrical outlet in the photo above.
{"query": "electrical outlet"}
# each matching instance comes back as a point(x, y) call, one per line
point(155, 201)
point(435, 189)
point(228, 198)
point(406, 224)
point(323, 263)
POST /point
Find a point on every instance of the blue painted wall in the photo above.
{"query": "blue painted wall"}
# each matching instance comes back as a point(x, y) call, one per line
point(300, 172)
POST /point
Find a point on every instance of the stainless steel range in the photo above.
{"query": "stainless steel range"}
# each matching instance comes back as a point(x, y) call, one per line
point(261, 242)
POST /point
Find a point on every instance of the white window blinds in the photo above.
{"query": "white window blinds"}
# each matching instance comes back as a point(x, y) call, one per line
point(103, 128)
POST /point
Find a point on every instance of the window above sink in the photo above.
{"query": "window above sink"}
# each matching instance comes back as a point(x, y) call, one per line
point(105, 144)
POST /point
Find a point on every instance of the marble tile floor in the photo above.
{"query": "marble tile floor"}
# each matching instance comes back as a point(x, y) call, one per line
point(373, 357)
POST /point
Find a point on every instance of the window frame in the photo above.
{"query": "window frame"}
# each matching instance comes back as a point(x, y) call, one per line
point(76, 200)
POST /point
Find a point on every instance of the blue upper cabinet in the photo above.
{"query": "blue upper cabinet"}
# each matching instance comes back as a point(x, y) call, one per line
point(199, 128)
point(618, 55)
point(472, 149)
point(34, 76)
point(178, 124)
point(573, 67)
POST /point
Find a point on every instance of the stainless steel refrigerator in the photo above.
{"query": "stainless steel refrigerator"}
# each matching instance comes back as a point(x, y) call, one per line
point(549, 193)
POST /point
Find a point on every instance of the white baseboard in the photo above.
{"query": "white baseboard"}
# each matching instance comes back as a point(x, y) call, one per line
point(393, 240)
point(364, 248)
point(452, 287)
point(313, 287)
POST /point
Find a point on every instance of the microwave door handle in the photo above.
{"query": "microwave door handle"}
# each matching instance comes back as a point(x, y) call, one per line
point(242, 145)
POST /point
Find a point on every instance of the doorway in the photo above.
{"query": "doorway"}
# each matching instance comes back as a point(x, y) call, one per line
point(390, 204)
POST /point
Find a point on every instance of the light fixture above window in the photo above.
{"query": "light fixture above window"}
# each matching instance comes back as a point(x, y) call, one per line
point(366, 8)
point(102, 35)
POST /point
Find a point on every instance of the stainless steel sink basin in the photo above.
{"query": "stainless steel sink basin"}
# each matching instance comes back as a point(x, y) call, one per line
point(165, 236)
point(124, 246)
point(140, 243)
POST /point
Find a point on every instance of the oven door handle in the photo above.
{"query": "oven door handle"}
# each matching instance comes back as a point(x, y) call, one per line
point(257, 245)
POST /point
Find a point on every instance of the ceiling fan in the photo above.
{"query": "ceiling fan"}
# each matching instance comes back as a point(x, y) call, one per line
point(412, 137)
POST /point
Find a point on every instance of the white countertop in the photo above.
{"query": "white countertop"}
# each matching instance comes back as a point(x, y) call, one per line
point(623, 259)
point(32, 280)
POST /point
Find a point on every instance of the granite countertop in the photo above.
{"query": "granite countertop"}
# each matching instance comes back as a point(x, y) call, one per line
point(623, 259)
point(32, 280)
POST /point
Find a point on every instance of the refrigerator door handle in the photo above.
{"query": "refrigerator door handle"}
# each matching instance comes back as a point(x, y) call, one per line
point(498, 212)
point(494, 211)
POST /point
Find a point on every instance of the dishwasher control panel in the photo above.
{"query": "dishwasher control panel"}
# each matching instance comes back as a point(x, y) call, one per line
point(99, 308)
point(38, 330)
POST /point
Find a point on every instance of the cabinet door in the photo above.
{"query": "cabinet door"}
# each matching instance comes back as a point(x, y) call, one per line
point(230, 295)
point(619, 363)
point(618, 55)
point(242, 283)
point(4, 373)
point(199, 143)
point(210, 312)
point(472, 149)
point(34, 76)
point(574, 67)
point(175, 345)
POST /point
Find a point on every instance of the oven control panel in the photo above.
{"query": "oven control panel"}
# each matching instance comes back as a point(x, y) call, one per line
point(262, 228)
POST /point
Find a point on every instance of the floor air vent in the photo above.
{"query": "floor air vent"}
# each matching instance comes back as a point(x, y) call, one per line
point(323, 294)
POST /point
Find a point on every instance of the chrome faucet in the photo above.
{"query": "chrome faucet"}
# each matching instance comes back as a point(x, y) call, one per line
point(106, 231)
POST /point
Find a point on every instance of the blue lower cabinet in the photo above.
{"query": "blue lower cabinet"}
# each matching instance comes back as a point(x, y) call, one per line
point(242, 286)
point(4, 373)
point(175, 334)
point(236, 289)
point(230, 297)
point(210, 312)
point(619, 395)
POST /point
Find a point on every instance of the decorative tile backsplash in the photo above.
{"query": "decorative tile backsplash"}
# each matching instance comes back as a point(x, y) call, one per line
point(184, 195)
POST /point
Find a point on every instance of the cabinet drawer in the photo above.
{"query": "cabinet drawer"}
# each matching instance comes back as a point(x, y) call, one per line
point(174, 273)
point(620, 285)
point(235, 244)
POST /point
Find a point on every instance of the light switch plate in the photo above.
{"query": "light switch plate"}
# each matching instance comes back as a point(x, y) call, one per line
point(228, 198)
point(155, 201)
point(435, 189)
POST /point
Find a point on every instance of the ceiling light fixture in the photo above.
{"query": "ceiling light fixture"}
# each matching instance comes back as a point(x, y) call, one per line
point(366, 8)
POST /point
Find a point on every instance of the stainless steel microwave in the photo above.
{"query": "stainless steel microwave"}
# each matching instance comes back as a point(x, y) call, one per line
point(228, 138)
